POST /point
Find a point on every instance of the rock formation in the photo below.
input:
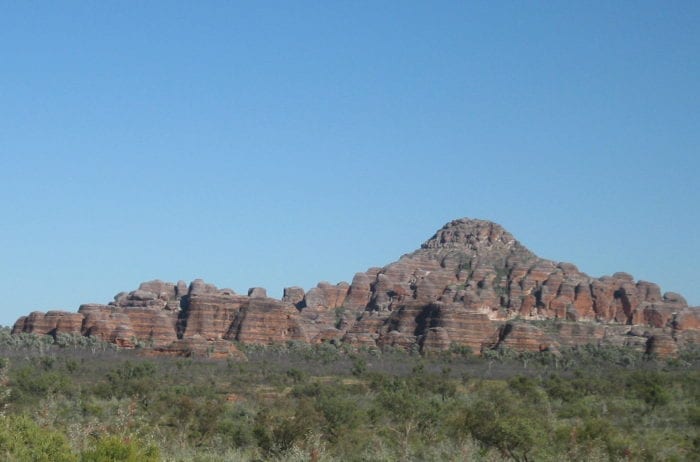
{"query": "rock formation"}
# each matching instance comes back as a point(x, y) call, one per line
point(472, 285)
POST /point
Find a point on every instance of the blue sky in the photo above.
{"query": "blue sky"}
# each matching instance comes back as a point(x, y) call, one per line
point(285, 143)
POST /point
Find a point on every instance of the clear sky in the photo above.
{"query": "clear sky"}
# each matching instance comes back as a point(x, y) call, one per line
point(284, 143)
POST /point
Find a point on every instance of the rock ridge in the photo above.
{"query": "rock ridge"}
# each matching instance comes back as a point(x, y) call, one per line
point(472, 284)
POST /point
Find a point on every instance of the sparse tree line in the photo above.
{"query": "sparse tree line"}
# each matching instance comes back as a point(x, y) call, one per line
point(63, 400)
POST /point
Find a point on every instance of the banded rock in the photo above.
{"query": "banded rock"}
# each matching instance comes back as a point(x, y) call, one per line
point(472, 284)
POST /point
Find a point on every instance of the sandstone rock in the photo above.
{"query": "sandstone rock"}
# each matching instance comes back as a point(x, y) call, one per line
point(173, 305)
point(198, 287)
point(123, 336)
point(120, 298)
point(444, 325)
point(181, 289)
point(128, 327)
point(360, 292)
point(164, 290)
point(334, 295)
point(436, 339)
point(365, 331)
point(583, 302)
point(673, 297)
point(620, 335)
point(20, 326)
point(257, 292)
point(102, 321)
point(331, 335)
point(320, 305)
point(626, 277)
point(210, 315)
point(657, 315)
point(142, 295)
point(661, 345)
point(688, 319)
point(521, 336)
point(50, 323)
point(397, 339)
point(465, 286)
point(314, 299)
point(294, 295)
point(267, 321)
point(686, 338)
point(649, 292)
point(152, 326)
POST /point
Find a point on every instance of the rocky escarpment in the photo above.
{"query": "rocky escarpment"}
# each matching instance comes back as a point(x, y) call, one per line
point(471, 284)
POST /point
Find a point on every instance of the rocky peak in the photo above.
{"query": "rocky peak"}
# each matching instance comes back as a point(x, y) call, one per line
point(470, 234)
point(482, 241)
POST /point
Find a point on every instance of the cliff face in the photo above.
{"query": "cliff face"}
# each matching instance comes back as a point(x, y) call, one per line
point(471, 284)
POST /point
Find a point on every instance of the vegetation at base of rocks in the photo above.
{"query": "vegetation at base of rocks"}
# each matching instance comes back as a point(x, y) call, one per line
point(328, 402)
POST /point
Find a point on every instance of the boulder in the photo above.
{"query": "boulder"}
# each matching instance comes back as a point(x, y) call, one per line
point(294, 295)
point(257, 292)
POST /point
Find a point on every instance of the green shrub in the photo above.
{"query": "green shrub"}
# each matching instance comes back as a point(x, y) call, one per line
point(130, 379)
point(30, 381)
point(22, 440)
point(116, 449)
point(650, 387)
point(518, 426)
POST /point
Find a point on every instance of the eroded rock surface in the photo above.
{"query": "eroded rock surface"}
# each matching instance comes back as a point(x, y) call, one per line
point(472, 285)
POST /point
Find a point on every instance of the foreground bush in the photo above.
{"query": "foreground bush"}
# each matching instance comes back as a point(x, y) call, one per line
point(116, 449)
point(335, 403)
point(22, 440)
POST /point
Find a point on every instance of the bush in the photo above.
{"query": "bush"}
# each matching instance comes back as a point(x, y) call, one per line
point(518, 426)
point(23, 440)
point(649, 386)
point(130, 379)
point(116, 449)
point(34, 382)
